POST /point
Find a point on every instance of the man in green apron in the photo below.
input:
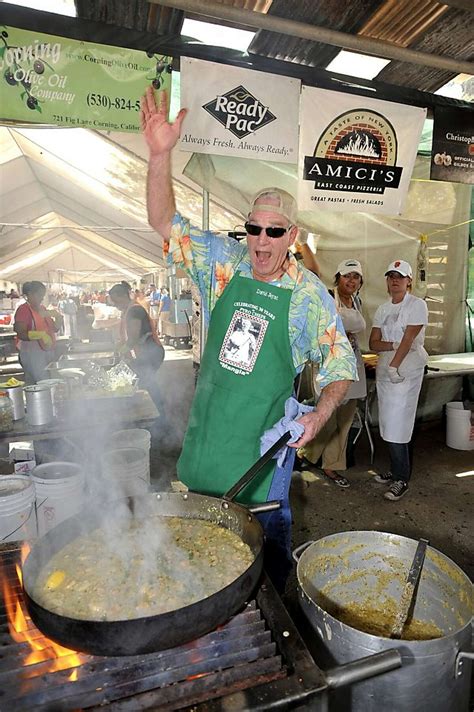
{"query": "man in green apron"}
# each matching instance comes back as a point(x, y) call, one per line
point(267, 317)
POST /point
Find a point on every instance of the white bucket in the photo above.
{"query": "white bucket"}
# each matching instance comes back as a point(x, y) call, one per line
point(126, 471)
point(17, 508)
point(134, 437)
point(459, 431)
point(59, 493)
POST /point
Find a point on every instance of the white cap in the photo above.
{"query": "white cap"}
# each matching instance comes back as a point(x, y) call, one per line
point(400, 266)
point(348, 266)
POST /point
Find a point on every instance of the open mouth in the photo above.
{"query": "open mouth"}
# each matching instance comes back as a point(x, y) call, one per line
point(262, 257)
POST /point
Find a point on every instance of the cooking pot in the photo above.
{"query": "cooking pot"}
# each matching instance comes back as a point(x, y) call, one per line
point(166, 630)
point(368, 567)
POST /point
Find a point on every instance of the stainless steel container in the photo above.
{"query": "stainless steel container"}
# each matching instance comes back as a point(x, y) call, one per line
point(39, 405)
point(16, 396)
point(368, 566)
point(59, 391)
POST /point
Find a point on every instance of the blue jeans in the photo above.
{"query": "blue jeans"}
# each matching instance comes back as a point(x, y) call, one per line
point(276, 525)
point(400, 465)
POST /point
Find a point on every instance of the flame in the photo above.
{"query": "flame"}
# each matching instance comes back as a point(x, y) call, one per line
point(196, 656)
point(195, 677)
point(25, 550)
point(22, 630)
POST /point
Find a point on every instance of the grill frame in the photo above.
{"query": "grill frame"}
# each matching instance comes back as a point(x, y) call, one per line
point(272, 670)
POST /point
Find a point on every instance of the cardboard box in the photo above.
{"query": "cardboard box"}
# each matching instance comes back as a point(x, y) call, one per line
point(21, 451)
point(24, 467)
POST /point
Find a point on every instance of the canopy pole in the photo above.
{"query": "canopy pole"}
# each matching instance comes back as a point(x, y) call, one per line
point(205, 226)
point(315, 33)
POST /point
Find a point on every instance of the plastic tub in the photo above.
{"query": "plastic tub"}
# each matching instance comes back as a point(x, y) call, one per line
point(133, 437)
point(125, 471)
point(17, 508)
point(59, 493)
point(459, 430)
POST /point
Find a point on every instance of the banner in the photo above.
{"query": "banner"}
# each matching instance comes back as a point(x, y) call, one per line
point(356, 154)
point(452, 153)
point(239, 112)
point(54, 80)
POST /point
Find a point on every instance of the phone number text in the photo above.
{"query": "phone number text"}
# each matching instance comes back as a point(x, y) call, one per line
point(112, 102)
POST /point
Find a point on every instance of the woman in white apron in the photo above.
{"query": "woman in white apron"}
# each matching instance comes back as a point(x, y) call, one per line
point(397, 335)
point(331, 441)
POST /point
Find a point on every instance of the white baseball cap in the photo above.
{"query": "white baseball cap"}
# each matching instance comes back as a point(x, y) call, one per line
point(400, 266)
point(348, 266)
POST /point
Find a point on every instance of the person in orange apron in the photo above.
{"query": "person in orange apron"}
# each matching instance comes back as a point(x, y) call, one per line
point(35, 330)
point(139, 340)
point(267, 316)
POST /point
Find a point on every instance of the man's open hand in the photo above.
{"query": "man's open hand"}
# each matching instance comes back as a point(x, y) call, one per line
point(160, 135)
point(312, 425)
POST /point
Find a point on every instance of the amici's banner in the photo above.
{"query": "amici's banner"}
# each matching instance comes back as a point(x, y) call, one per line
point(356, 154)
point(53, 80)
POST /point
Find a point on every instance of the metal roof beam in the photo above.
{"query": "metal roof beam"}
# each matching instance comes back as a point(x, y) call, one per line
point(459, 4)
point(315, 33)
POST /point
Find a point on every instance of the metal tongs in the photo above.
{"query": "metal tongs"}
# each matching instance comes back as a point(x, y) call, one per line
point(407, 602)
point(253, 471)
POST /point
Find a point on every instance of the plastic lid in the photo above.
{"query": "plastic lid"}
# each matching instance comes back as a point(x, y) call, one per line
point(13, 484)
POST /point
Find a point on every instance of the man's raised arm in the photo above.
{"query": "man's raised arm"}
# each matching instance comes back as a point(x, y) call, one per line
point(161, 137)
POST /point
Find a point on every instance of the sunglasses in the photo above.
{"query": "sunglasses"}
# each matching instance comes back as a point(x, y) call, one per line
point(271, 231)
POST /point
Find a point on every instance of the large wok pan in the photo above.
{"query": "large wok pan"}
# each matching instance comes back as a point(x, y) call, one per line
point(166, 630)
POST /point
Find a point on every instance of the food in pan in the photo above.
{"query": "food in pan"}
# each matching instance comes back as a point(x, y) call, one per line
point(379, 620)
point(141, 568)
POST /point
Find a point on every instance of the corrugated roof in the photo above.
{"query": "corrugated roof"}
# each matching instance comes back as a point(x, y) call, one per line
point(133, 14)
point(451, 35)
point(342, 15)
point(425, 25)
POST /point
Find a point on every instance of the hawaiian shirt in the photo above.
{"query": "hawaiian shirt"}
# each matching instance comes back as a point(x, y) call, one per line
point(315, 329)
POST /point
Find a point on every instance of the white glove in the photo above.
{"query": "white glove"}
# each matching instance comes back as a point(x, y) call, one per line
point(394, 375)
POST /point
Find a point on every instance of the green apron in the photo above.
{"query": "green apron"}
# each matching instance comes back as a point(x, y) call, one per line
point(246, 375)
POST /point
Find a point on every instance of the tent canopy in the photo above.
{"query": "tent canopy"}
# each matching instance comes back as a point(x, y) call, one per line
point(73, 207)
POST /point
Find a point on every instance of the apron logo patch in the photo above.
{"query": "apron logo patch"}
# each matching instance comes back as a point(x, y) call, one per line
point(242, 342)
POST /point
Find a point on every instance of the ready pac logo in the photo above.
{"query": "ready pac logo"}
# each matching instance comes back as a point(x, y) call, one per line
point(240, 112)
point(357, 152)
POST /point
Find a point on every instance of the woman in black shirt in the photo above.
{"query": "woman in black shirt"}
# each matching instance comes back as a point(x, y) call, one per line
point(139, 340)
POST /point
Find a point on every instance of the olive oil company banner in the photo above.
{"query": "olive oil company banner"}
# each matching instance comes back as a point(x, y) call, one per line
point(356, 154)
point(239, 112)
point(53, 80)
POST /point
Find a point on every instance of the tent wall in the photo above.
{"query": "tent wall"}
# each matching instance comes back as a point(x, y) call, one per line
point(374, 240)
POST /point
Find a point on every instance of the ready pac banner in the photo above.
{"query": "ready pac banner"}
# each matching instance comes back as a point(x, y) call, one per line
point(54, 80)
point(356, 154)
point(239, 112)
point(452, 155)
